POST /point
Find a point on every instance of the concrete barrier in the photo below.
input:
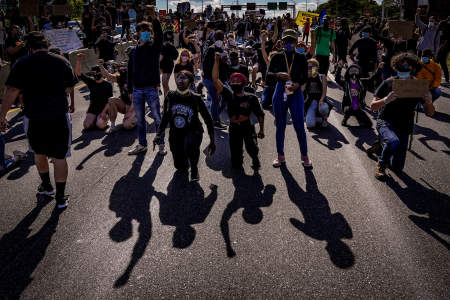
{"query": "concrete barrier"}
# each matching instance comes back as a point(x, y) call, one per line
point(90, 60)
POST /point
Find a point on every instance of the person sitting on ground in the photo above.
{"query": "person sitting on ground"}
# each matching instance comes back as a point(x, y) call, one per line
point(432, 72)
point(123, 104)
point(315, 91)
point(100, 92)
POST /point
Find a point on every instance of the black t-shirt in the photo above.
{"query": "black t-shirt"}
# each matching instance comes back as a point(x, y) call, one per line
point(313, 89)
point(113, 13)
point(87, 21)
point(99, 94)
point(188, 67)
point(299, 66)
point(43, 78)
point(367, 49)
point(124, 17)
point(169, 54)
point(182, 113)
point(400, 112)
point(11, 42)
point(105, 49)
point(241, 106)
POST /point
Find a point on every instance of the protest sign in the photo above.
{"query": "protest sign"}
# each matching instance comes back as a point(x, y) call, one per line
point(189, 24)
point(65, 39)
point(303, 16)
point(410, 88)
point(401, 29)
point(90, 59)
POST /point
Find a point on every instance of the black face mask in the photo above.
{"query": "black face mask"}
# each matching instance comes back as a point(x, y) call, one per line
point(237, 88)
point(98, 76)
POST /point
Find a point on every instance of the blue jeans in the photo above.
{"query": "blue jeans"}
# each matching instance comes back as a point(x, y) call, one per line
point(311, 115)
point(212, 96)
point(435, 93)
point(395, 145)
point(295, 103)
point(267, 96)
point(149, 95)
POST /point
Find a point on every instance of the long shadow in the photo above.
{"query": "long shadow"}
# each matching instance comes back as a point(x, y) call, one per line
point(183, 206)
point(334, 137)
point(430, 135)
point(221, 158)
point(251, 195)
point(337, 105)
point(441, 117)
point(434, 205)
point(112, 145)
point(365, 136)
point(20, 254)
point(86, 138)
point(130, 200)
point(22, 168)
point(320, 223)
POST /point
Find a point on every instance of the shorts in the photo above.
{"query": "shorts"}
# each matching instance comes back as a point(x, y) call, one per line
point(51, 138)
point(324, 64)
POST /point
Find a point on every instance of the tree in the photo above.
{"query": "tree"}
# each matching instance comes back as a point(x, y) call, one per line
point(351, 9)
point(77, 8)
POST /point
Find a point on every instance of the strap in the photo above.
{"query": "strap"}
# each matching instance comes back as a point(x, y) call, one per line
point(289, 67)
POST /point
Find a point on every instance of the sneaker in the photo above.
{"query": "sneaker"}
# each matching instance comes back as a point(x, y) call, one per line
point(112, 129)
point(194, 175)
point(380, 171)
point(344, 123)
point(46, 190)
point(162, 150)
point(278, 162)
point(139, 149)
point(219, 125)
point(63, 202)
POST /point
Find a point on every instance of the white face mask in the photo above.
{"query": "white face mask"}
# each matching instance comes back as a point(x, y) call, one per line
point(219, 43)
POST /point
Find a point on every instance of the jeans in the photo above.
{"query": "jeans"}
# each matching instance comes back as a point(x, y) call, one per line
point(395, 145)
point(185, 148)
point(295, 103)
point(212, 96)
point(149, 95)
point(267, 96)
point(435, 93)
point(311, 116)
point(240, 134)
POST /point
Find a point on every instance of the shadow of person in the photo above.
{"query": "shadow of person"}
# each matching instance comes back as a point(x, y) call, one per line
point(441, 117)
point(183, 206)
point(86, 137)
point(22, 168)
point(20, 254)
point(425, 201)
point(365, 136)
point(221, 158)
point(319, 223)
point(130, 200)
point(430, 135)
point(251, 195)
point(334, 137)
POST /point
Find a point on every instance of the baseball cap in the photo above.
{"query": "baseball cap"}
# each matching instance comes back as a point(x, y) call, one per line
point(289, 33)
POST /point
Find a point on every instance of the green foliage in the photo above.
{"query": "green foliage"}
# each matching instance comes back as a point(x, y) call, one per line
point(77, 8)
point(351, 9)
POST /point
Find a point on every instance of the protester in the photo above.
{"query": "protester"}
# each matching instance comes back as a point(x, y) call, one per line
point(396, 115)
point(306, 30)
point(239, 106)
point(343, 36)
point(324, 42)
point(431, 71)
point(106, 46)
point(100, 92)
point(143, 80)
point(289, 70)
point(45, 80)
point(429, 38)
point(8, 162)
point(185, 62)
point(15, 46)
point(125, 20)
point(169, 53)
point(181, 110)
point(367, 52)
point(444, 48)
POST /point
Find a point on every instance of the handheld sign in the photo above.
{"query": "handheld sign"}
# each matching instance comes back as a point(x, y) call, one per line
point(410, 88)
point(401, 29)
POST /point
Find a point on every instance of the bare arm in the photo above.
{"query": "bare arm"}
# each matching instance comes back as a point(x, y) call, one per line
point(105, 73)
point(215, 74)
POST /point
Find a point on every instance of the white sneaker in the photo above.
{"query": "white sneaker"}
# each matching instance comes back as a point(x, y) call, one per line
point(112, 129)
point(139, 149)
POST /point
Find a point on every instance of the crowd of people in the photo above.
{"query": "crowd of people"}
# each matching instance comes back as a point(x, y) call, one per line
point(220, 64)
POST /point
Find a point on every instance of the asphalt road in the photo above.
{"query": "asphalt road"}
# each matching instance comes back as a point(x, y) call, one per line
point(134, 230)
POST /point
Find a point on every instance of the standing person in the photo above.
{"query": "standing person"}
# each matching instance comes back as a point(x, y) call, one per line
point(306, 30)
point(125, 20)
point(323, 42)
point(168, 54)
point(15, 47)
point(367, 52)
point(289, 70)
point(106, 46)
point(112, 10)
point(181, 110)
point(343, 35)
point(431, 71)
point(429, 34)
point(143, 78)
point(87, 21)
point(444, 48)
point(100, 92)
point(240, 105)
point(396, 115)
point(45, 80)
point(185, 62)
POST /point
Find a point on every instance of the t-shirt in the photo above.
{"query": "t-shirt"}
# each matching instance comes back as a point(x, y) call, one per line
point(400, 112)
point(99, 94)
point(12, 41)
point(182, 113)
point(241, 106)
point(187, 67)
point(43, 78)
point(106, 49)
point(298, 63)
point(367, 49)
point(323, 40)
point(354, 94)
point(169, 54)
point(314, 88)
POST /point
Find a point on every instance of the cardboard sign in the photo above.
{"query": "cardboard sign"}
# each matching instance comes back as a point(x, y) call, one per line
point(65, 39)
point(410, 88)
point(302, 16)
point(61, 10)
point(189, 24)
point(29, 8)
point(401, 29)
point(90, 60)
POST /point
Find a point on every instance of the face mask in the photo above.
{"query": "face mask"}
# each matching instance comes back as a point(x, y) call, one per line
point(426, 60)
point(237, 88)
point(184, 58)
point(182, 92)
point(219, 43)
point(365, 35)
point(300, 50)
point(98, 76)
point(403, 75)
point(145, 36)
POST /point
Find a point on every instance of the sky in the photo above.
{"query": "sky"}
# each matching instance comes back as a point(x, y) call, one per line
point(197, 4)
